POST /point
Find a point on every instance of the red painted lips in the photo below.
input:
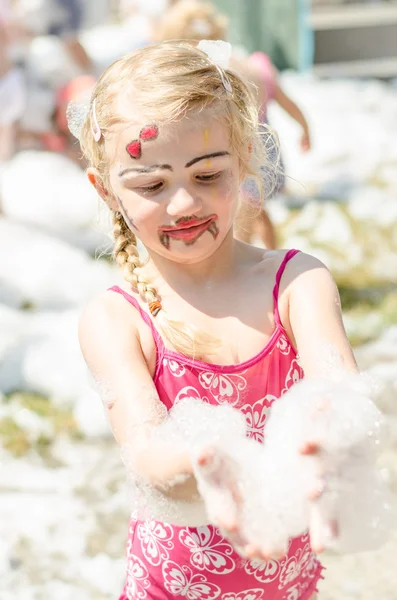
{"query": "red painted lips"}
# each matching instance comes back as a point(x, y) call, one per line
point(189, 230)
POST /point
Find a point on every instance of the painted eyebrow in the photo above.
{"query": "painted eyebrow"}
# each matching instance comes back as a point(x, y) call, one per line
point(168, 167)
point(213, 155)
point(144, 169)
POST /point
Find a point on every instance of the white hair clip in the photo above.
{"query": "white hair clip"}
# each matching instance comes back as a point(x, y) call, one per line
point(219, 53)
point(76, 114)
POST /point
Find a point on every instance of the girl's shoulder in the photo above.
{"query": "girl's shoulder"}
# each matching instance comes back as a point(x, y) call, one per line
point(272, 260)
point(289, 272)
point(294, 256)
point(108, 316)
point(284, 271)
point(110, 329)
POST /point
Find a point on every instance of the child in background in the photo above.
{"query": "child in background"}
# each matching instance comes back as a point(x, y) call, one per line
point(194, 20)
point(169, 137)
point(61, 18)
point(60, 139)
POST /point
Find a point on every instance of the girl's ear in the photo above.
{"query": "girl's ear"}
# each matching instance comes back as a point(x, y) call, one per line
point(96, 180)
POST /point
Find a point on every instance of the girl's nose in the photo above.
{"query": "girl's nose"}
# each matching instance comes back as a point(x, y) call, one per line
point(182, 203)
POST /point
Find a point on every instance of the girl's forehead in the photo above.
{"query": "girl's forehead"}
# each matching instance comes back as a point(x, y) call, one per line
point(194, 129)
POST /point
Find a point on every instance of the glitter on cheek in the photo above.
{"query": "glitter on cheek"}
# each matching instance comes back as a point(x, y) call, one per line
point(229, 184)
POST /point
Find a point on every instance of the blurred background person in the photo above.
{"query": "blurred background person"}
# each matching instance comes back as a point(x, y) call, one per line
point(196, 20)
point(61, 18)
point(51, 54)
point(12, 87)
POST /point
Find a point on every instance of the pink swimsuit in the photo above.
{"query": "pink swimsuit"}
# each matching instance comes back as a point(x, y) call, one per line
point(166, 561)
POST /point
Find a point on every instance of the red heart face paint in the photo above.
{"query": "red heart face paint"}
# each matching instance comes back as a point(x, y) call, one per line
point(134, 149)
point(147, 134)
point(189, 230)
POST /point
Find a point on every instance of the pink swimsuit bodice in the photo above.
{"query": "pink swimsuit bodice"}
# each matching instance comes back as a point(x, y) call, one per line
point(166, 561)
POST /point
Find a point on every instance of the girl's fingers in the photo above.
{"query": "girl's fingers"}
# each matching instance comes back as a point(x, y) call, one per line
point(310, 447)
point(265, 554)
point(218, 470)
point(318, 490)
point(316, 529)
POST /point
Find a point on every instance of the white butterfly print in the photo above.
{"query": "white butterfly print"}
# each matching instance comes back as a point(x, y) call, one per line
point(175, 368)
point(189, 392)
point(209, 550)
point(254, 594)
point(223, 388)
point(180, 581)
point(294, 375)
point(155, 541)
point(284, 345)
point(293, 593)
point(137, 578)
point(255, 416)
point(294, 565)
point(263, 571)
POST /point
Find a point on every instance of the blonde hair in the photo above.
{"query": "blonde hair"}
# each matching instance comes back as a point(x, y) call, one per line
point(192, 20)
point(168, 81)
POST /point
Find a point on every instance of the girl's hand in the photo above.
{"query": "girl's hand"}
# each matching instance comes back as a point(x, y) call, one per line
point(225, 502)
point(321, 530)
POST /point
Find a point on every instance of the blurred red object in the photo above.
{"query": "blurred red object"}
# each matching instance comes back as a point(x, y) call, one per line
point(77, 89)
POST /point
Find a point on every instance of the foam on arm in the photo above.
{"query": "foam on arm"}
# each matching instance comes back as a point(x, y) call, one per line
point(160, 470)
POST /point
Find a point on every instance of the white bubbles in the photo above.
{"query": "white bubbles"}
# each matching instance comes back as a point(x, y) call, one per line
point(267, 487)
point(343, 419)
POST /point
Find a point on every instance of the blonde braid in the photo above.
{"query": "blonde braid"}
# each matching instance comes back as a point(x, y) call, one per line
point(127, 257)
point(184, 338)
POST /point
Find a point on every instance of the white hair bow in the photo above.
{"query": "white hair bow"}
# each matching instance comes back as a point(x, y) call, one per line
point(219, 53)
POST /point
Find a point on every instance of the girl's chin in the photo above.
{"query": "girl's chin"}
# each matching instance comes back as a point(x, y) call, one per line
point(178, 251)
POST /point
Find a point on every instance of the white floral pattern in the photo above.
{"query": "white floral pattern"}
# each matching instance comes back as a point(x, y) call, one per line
point(137, 578)
point(263, 571)
point(223, 388)
point(188, 392)
point(308, 571)
point(293, 593)
point(176, 368)
point(284, 345)
point(255, 416)
point(293, 567)
point(209, 551)
point(254, 594)
point(155, 541)
point(293, 376)
point(179, 580)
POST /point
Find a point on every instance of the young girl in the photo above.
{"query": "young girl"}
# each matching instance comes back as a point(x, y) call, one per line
point(192, 20)
point(170, 136)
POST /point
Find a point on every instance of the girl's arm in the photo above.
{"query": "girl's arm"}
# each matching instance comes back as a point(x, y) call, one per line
point(313, 317)
point(290, 107)
point(109, 339)
point(294, 111)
